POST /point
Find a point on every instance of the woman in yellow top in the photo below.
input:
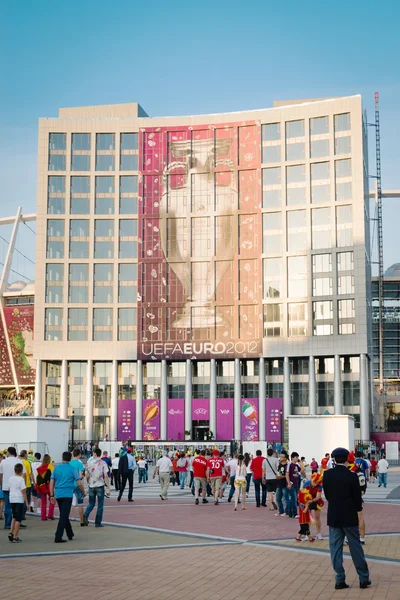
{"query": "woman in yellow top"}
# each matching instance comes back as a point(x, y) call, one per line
point(29, 481)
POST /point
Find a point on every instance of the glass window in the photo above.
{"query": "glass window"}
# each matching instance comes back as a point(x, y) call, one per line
point(271, 132)
point(322, 274)
point(54, 283)
point(105, 162)
point(273, 320)
point(79, 228)
point(127, 290)
point(128, 184)
point(55, 228)
point(345, 261)
point(320, 183)
point(294, 129)
point(272, 191)
point(295, 182)
point(53, 370)
point(80, 185)
point(80, 195)
point(102, 324)
point(56, 195)
point(346, 313)
point(343, 145)
point(321, 227)
point(102, 369)
point(104, 228)
point(272, 233)
point(103, 283)
point(273, 273)
point(52, 399)
point(319, 125)
point(53, 324)
point(271, 154)
point(104, 201)
point(57, 162)
point(295, 151)
point(296, 174)
point(298, 319)
point(77, 324)
point(297, 276)
point(345, 284)
point(57, 141)
point(55, 238)
point(319, 148)
point(128, 228)
point(105, 141)
point(129, 141)
point(343, 168)
point(127, 325)
point(129, 162)
point(323, 318)
point(342, 122)
point(80, 162)
point(296, 230)
point(81, 141)
point(78, 283)
point(344, 226)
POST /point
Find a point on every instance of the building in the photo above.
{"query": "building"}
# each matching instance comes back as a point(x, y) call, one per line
point(203, 276)
point(387, 390)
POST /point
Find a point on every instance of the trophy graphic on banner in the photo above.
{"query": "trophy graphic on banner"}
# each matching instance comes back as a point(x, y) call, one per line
point(197, 217)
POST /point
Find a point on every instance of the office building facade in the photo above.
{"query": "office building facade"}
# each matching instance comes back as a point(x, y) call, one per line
point(203, 276)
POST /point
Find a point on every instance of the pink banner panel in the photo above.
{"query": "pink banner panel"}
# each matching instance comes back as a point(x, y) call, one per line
point(176, 419)
point(151, 419)
point(225, 419)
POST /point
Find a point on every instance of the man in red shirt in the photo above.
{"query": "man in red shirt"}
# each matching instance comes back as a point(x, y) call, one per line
point(214, 473)
point(324, 463)
point(200, 476)
point(257, 467)
point(372, 472)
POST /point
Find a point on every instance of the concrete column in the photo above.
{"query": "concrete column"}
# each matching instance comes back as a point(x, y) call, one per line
point(188, 396)
point(213, 397)
point(312, 387)
point(89, 400)
point(337, 395)
point(364, 407)
point(237, 400)
point(38, 390)
point(261, 400)
point(139, 399)
point(287, 398)
point(64, 390)
point(114, 401)
point(163, 400)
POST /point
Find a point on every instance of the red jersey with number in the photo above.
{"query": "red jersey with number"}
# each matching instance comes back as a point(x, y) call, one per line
point(199, 467)
point(215, 465)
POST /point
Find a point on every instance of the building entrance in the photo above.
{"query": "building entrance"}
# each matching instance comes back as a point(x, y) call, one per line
point(200, 431)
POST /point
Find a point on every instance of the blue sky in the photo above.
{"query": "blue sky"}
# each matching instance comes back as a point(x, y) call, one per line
point(185, 57)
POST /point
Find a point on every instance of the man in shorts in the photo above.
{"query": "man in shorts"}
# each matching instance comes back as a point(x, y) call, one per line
point(214, 473)
point(18, 501)
point(200, 476)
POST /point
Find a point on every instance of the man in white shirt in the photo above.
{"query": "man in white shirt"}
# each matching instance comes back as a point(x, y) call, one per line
point(230, 468)
point(36, 463)
point(115, 470)
point(6, 471)
point(164, 469)
point(97, 478)
point(383, 467)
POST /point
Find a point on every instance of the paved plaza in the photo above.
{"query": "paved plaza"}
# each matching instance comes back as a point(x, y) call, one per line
point(159, 550)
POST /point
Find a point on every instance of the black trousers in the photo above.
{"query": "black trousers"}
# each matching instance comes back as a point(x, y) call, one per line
point(116, 478)
point(257, 484)
point(124, 478)
point(28, 496)
point(64, 506)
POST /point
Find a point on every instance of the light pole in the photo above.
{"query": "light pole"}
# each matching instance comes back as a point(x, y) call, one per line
point(73, 427)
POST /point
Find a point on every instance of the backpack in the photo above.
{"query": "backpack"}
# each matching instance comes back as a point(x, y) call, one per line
point(361, 477)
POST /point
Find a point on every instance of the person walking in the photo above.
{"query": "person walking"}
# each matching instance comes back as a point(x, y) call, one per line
point(6, 471)
point(77, 464)
point(163, 469)
point(231, 470)
point(258, 479)
point(374, 465)
point(18, 499)
point(176, 472)
point(247, 461)
point(240, 481)
point(281, 495)
point(61, 491)
point(141, 463)
point(200, 476)
point(214, 474)
point(115, 471)
point(383, 468)
point(97, 478)
point(269, 475)
point(343, 493)
point(43, 477)
point(35, 496)
point(29, 481)
point(127, 467)
point(182, 465)
point(314, 466)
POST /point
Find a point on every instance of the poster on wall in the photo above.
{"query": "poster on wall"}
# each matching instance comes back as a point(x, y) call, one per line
point(225, 419)
point(176, 419)
point(200, 409)
point(126, 419)
point(200, 243)
point(151, 419)
point(249, 419)
point(274, 419)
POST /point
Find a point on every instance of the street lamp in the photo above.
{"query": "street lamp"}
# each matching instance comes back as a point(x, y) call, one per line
point(282, 428)
point(73, 427)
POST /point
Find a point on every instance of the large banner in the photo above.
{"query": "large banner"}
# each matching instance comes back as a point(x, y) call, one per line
point(126, 419)
point(225, 419)
point(176, 419)
point(200, 409)
point(249, 419)
point(274, 418)
point(151, 419)
point(19, 323)
point(200, 242)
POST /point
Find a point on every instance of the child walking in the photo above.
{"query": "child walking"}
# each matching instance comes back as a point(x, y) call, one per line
point(240, 481)
point(304, 499)
point(18, 499)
